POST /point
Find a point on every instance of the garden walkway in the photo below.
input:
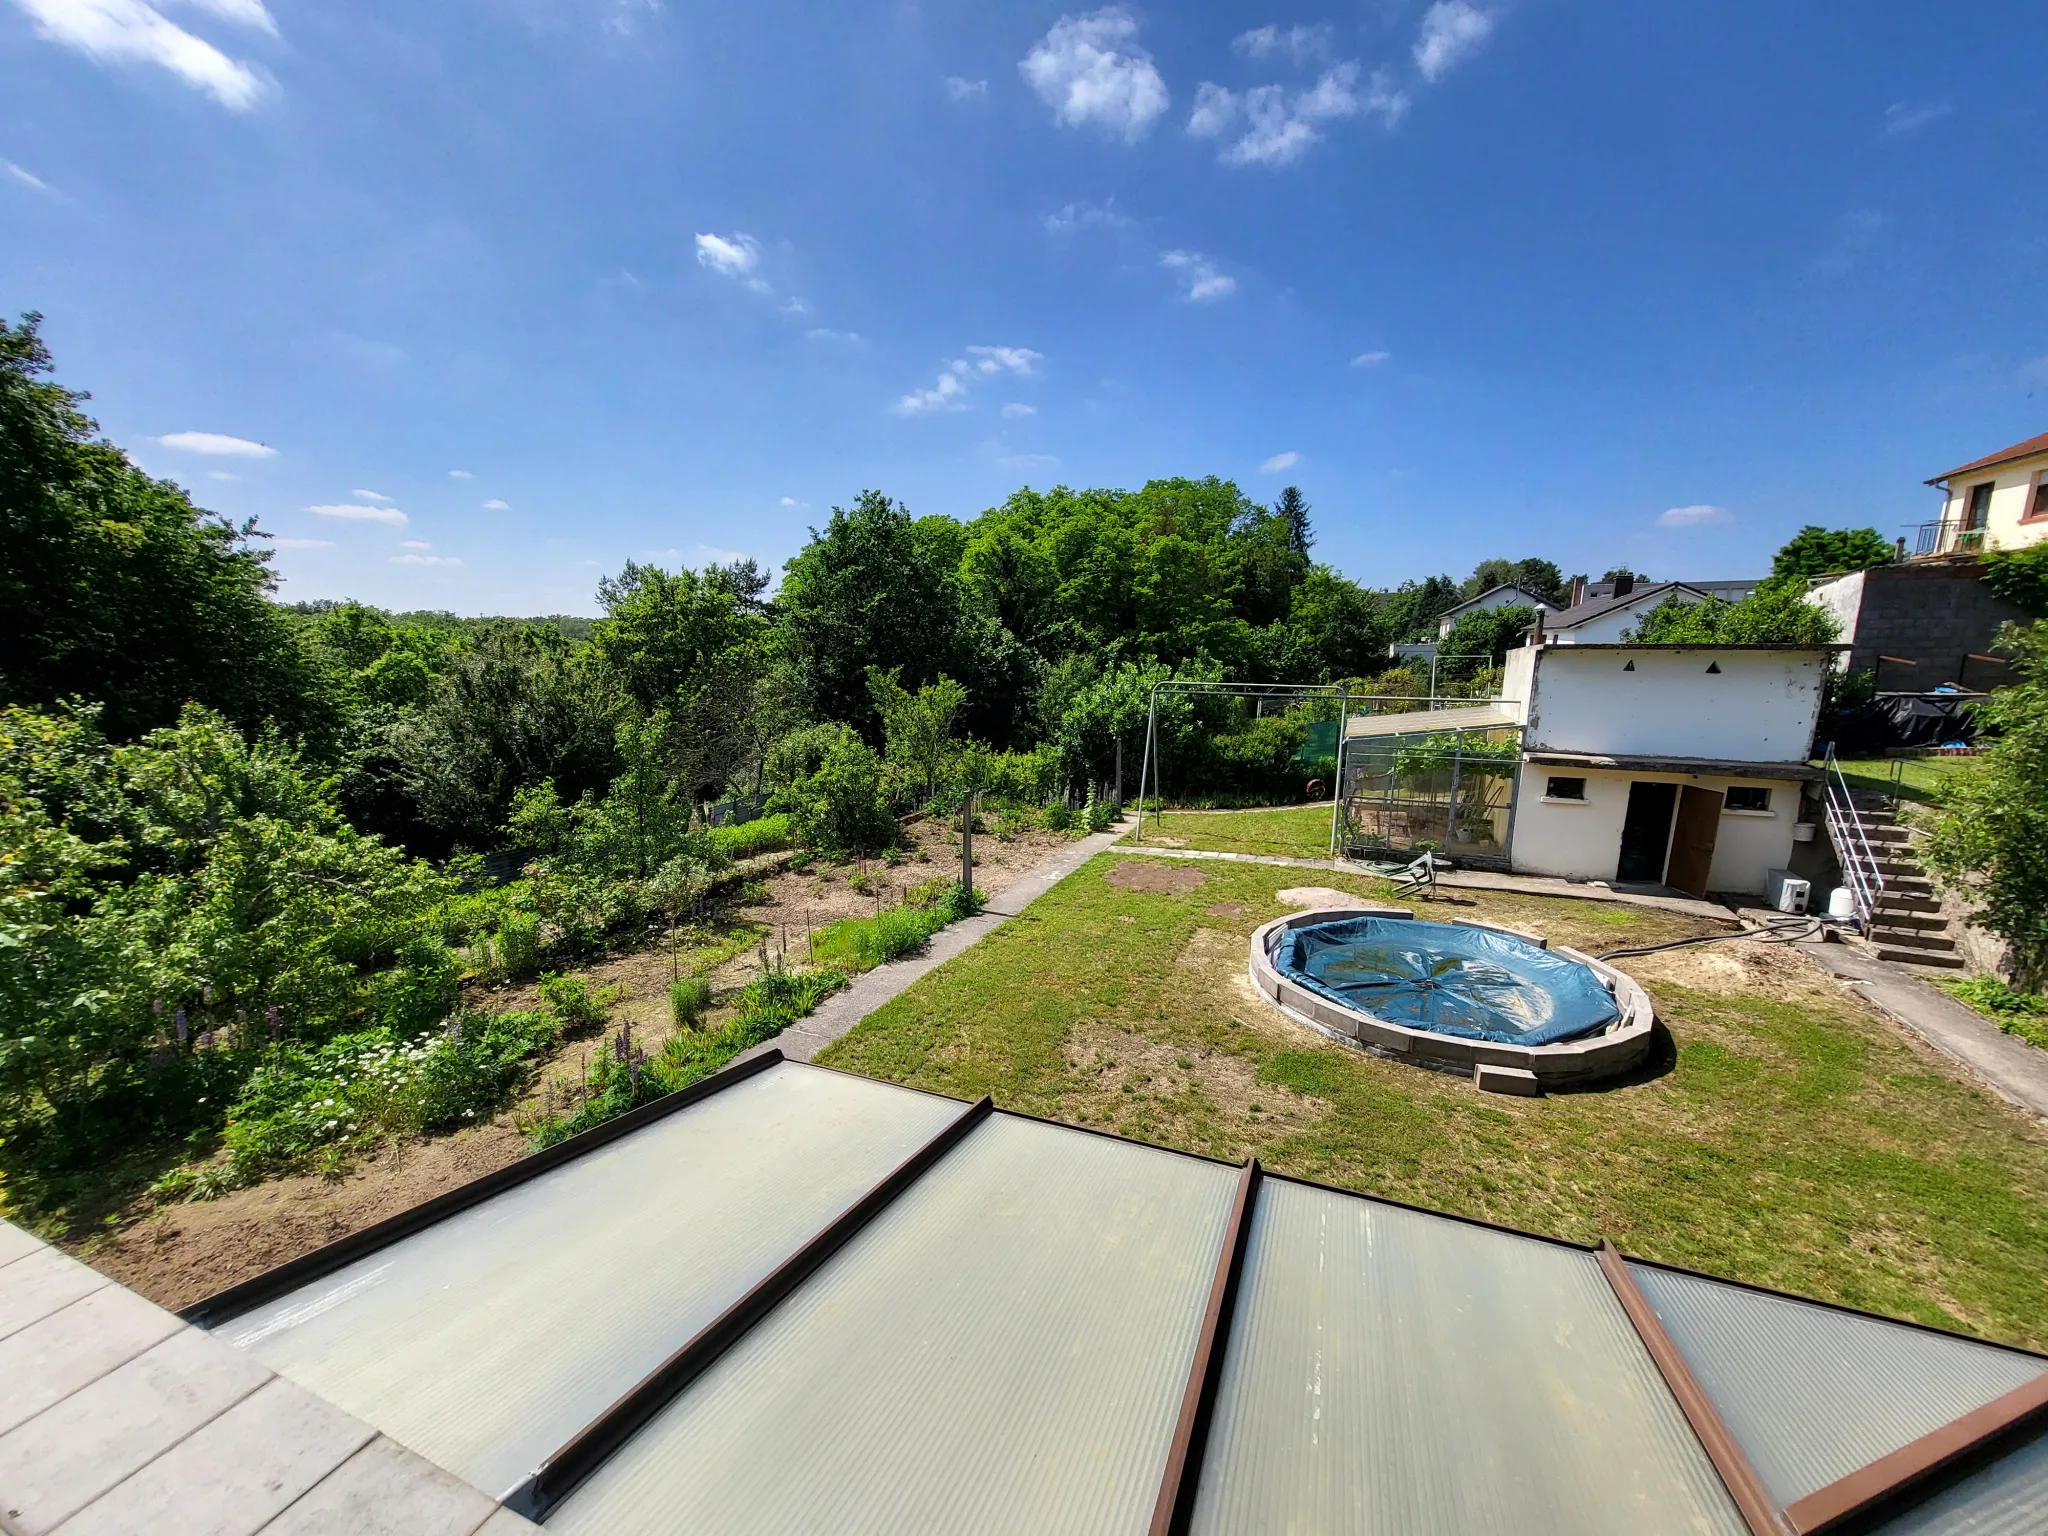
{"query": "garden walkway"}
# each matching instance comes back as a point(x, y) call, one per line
point(839, 1013)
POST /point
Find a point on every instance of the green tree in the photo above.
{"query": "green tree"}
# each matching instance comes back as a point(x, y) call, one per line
point(1292, 511)
point(114, 587)
point(2020, 576)
point(1989, 838)
point(1777, 613)
point(1340, 627)
point(1485, 632)
point(1818, 551)
point(918, 727)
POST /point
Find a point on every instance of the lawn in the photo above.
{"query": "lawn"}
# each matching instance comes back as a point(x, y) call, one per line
point(1302, 832)
point(1918, 776)
point(1784, 1134)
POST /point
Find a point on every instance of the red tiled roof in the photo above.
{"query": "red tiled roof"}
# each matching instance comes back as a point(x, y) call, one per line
point(2028, 449)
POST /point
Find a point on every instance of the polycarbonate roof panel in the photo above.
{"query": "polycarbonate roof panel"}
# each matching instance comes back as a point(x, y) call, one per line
point(1812, 1393)
point(2007, 1498)
point(1392, 1373)
point(488, 1340)
point(1003, 1350)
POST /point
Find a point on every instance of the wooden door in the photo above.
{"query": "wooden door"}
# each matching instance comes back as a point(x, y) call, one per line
point(1692, 840)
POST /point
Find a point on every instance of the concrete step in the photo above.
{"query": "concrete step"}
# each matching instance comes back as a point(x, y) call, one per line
point(1926, 921)
point(1886, 837)
point(1898, 884)
point(1911, 938)
point(1895, 900)
point(1931, 957)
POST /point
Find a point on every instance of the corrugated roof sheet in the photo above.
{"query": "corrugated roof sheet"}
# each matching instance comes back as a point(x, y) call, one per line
point(1420, 722)
point(2007, 1498)
point(1003, 1350)
point(486, 1341)
point(1397, 1374)
point(1813, 1393)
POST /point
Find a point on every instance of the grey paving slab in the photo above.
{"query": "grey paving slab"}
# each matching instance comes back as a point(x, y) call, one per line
point(805, 1038)
point(385, 1490)
point(74, 1346)
point(233, 1475)
point(14, 1242)
point(505, 1523)
point(39, 1283)
point(61, 1460)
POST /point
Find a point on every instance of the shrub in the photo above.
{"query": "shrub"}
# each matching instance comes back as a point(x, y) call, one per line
point(689, 999)
point(1058, 816)
point(570, 999)
point(516, 947)
point(764, 834)
point(862, 943)
point(839, 809)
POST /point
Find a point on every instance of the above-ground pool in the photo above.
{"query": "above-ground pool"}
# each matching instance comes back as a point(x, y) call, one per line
point(1464, 996)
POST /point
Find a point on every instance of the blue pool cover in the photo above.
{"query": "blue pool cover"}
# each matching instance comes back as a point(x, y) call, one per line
point(1448, 980)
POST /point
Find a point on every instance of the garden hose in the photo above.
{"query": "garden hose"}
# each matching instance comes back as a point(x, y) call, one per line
point(1779, 930)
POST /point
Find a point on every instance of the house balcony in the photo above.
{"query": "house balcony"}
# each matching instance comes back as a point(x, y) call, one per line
point(1947, 536)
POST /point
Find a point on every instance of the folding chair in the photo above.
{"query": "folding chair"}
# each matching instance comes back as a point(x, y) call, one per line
point(1419, 876)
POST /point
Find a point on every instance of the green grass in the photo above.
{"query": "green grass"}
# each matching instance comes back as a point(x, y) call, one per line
point(2024, 1014)
point(1918, 776)
point(1785, 1134)
point(1301, 833)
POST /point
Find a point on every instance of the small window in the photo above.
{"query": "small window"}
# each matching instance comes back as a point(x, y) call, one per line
point(1978, 513)
point(1565, 789)
point(1744, 798)
point(2038, 506)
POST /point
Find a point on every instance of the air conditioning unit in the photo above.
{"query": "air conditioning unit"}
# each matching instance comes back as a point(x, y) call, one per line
point(1785, 890)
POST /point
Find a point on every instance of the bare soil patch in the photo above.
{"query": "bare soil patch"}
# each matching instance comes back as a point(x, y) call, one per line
point(1308, 896)
point(1166, 879)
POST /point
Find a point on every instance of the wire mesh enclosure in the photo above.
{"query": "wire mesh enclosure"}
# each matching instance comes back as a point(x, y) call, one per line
point(1451, 792)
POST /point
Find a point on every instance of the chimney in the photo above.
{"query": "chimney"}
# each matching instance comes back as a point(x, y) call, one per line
point(1578, 591)
point(1536, 626)
point(1624, 584)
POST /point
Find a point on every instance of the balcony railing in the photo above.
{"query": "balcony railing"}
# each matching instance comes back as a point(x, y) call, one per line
point(1947, 536)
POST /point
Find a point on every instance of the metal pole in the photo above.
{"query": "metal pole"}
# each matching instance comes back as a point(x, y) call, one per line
point(1337, 793)
point(1145, 763)
point(1119, 773)
point(967, 846)
point(1457, 770)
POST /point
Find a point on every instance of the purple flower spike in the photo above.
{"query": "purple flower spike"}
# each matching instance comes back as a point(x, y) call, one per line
point(181, 1026)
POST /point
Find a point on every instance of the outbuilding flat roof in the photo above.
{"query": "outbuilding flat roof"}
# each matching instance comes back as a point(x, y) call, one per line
point(1027, 1327)
point(1417, 722)
point(1732, 768)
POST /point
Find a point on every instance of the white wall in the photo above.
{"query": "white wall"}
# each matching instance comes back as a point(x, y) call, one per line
point(1760, 708)
point(1842, 597)
point(2012, 487)
point(1583, 841)
point(1612, 625)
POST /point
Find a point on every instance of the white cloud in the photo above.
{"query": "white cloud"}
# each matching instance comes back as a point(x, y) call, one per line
point(218, 444)
point(734, 256)
point(1090, 71)
point(460, 474)
point(303, 543)
point(1200, 280)
point(28, 179)
point(360, 514)
point(1905, 116)
point(1018, 360)
point(369, 496)
point(949, 394)
point(249, 13)
point(414, 544)
point(495, 505)
point(1301, 44)
point(791, 501)
point(1017, 409)
point(1371, 359)
point(958, 89)
point(1451, 30)
point(424, 560)
point(1279, 463)
point(221, 474)
point(1087, 216)
point(133, 32)
point(1691, 517)
point(795, 305)
point(826, 333)
point(1281, 124)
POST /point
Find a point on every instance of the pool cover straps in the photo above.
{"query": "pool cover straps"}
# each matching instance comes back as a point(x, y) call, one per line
point(557, 1477)
point(1177, 1489)
point(1758, 1512)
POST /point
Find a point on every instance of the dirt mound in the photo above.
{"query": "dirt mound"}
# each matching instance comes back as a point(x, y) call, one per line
point(1166, 879)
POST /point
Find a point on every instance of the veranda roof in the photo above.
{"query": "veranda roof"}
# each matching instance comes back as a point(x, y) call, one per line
point(1422, 722)
point(790, 1299)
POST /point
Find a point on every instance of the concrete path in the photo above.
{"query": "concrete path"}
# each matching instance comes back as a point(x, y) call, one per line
point(1465, 879)
point(2015, 1070)
point(840, 1012)
point(117, 1418)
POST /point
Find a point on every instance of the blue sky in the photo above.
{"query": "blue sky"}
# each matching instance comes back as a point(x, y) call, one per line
point(516, 291)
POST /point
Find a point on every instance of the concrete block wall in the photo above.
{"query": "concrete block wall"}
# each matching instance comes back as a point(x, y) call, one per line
point(1936, 613)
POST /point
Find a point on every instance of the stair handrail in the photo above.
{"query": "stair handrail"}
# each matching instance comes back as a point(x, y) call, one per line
point(1852, 843)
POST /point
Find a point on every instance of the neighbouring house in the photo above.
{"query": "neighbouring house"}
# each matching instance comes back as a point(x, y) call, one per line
point(1726, 591)
point(1662, 765)
point(1603, 620)
point(1507, 595)
point(1997, 502)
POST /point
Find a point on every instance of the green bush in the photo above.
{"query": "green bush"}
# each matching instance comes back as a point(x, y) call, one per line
point(517, 945)
point(840, 809)
point(764, 834)
point(570, 999)
point(2024, 1014)
point(1058, 816)
point(689, 999)
point(862, 943)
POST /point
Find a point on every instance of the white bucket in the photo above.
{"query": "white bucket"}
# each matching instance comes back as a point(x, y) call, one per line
point(1802, 831)
point(1841, 902)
